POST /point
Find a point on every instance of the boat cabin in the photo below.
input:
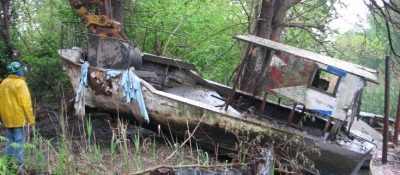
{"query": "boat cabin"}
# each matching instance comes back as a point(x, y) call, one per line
point(320, 83)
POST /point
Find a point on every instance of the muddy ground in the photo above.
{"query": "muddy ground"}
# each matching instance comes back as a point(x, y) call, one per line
point(49, 126)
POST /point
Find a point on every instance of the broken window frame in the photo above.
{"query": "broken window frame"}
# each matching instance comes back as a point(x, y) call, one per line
point(333, 94)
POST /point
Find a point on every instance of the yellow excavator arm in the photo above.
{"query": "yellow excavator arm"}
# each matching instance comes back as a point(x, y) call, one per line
point(101, 23)
point(96, 16)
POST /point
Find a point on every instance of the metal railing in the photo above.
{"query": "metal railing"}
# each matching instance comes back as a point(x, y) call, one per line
point(174, 45)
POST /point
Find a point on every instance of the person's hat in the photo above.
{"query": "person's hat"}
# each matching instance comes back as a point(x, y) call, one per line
point(14, 67)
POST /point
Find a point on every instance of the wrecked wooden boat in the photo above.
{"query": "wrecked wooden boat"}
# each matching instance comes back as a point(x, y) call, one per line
point(176, 99)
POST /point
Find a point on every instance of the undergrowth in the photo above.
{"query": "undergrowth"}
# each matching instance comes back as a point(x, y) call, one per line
point(132, 153)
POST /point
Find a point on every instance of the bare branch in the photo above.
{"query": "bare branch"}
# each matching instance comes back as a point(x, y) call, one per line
point(190, 136)
point(391, 6)
point(304, 25)
point(225, 28)
point(316, 39)
point(216, 60)
point(375, 8)
point(390, 40)
point(244, 9)
point(40, 33)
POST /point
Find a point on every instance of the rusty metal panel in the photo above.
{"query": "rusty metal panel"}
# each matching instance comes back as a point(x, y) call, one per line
point(287, 70)
point(324, 103)
point(367, 73)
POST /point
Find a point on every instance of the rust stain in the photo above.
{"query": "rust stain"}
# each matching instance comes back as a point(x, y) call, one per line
point(167, 115)
point(153, 113)
point(97, 81)
point(224, 124)
point(295, 71)
point(70, 71)
point(156, 113)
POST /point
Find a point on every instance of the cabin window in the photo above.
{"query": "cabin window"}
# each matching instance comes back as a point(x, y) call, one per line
point(325, 81)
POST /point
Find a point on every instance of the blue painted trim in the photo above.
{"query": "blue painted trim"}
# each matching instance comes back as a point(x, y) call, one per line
point(323, 112)
point(337, 71)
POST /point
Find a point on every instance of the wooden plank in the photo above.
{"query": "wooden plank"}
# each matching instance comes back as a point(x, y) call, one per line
point(147, 74)
point(169, 61)
point(204, 82)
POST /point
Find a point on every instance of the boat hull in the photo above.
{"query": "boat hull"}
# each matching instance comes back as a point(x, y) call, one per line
point(217, 129)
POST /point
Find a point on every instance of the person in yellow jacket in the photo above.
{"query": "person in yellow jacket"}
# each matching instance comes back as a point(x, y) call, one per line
point(16, 111)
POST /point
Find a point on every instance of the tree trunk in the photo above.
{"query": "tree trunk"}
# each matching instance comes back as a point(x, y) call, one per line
point(5, 27)
point(270, 26)
point(264, 27)
point(118, 11)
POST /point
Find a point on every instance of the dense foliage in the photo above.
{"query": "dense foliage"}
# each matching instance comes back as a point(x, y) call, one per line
point(199, 32)
point(35, 28)
point(202, 30)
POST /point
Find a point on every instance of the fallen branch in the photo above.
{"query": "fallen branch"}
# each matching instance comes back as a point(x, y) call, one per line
point(190, 136)
point(304, 25)
point(84, 161)
point(181, 166)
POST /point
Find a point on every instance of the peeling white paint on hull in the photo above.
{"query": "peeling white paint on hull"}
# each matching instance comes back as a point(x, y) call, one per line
point(176, 113)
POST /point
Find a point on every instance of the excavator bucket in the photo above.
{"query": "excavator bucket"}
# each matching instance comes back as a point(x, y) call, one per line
point(111, 53)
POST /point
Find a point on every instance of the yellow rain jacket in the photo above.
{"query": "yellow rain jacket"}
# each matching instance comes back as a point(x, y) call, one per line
point(15, 102)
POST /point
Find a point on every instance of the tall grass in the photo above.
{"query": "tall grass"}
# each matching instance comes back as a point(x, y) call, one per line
point(66, 154)
point(373, 99)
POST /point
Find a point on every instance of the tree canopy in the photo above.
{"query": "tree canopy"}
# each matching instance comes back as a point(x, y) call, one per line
point(386, 20)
